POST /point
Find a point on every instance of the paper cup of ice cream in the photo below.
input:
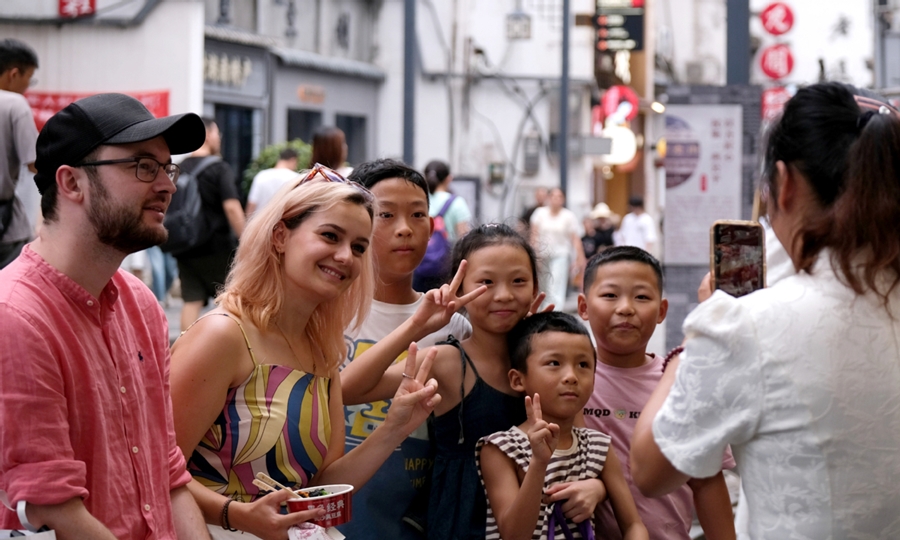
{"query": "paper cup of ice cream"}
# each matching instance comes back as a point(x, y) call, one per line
point(336, 499)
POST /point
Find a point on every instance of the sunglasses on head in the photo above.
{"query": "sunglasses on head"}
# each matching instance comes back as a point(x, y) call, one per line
point(326, 174)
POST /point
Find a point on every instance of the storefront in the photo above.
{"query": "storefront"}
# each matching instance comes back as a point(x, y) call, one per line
point(236, 74)
point(310, 90)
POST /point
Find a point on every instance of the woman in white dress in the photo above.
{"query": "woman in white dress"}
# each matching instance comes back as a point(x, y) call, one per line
point(802, 379)
point(556, 236)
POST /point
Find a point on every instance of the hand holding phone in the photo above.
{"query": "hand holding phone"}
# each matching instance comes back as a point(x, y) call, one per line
point(737, 256)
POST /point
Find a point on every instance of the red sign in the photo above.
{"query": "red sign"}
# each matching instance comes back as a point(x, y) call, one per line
point(777, 61)
point(76, 8)
point(613, 99)
point(46, 104)
point(773, 100)
point(777, 18)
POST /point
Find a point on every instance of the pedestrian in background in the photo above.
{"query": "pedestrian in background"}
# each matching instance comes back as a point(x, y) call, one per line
point(458, 217)
point(329, 148)
point(455, 221)
point(638, 228)
point(598, 230)
point(556, 235)
point(17, 138)
point(540, 199)
point(203, 268)
point(267, 182)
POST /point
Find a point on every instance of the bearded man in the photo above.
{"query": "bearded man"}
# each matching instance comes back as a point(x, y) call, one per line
point(87, 446)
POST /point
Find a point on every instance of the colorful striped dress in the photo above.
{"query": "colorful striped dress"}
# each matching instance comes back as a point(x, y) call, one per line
point(275, 422)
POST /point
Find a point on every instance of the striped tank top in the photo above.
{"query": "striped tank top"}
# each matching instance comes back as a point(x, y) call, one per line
point(583, 460)
point(276, 422)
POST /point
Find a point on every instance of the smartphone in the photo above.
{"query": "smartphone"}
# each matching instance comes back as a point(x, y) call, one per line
point(737, 257)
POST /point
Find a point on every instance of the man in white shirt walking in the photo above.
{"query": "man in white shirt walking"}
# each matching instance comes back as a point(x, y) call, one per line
point(267, 182)
point(638, 228)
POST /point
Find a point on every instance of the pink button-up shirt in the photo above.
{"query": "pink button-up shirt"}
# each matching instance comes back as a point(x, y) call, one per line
point(84, 399)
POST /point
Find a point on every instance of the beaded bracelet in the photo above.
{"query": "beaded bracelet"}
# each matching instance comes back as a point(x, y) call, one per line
point(672, 354)
point(225, 524)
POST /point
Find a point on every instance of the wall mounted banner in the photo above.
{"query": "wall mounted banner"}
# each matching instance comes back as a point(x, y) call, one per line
point(703, 177)
point(46, 104)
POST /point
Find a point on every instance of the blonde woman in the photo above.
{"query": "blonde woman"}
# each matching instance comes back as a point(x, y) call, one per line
point(255, 383)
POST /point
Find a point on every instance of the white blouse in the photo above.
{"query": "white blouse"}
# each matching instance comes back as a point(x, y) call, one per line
point(803, 381)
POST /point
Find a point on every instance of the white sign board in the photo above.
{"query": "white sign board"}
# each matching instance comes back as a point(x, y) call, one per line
point(703, 177)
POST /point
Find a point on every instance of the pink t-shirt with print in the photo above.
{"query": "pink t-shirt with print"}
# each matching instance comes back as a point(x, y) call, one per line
point(619, 396)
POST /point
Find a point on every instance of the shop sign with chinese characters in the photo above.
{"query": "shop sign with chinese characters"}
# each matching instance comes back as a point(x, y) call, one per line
point(225, 70)
point(777, 18)
point(776, 61)
point(69, 9)
point(619, 25)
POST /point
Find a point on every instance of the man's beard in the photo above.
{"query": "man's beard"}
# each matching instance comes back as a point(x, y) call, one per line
point(120, 227)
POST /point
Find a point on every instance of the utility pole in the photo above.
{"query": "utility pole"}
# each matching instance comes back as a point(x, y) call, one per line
point(737, 43)
point(564, 103)
point(409, 81)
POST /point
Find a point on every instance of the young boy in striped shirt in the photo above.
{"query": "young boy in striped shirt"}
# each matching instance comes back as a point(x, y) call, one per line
point(546, 472)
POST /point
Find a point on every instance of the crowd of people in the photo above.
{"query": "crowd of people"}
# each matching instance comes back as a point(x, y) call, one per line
point(464, 411)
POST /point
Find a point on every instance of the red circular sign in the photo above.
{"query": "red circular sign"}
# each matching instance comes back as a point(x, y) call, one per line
point(777, 18)
point(777, 61)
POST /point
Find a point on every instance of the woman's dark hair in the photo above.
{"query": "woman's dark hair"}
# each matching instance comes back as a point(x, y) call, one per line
point(492, 234)
point(814, 135)
point(518, 340)
point(864, 224)
point(328, 147)
point(435, 173)
point(835, 137)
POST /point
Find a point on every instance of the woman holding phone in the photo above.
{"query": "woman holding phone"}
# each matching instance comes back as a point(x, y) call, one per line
point(802, 379)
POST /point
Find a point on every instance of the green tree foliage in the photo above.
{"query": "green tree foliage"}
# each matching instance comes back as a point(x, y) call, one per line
point(269, 156)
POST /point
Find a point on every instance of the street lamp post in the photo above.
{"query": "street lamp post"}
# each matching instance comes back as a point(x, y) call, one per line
point(738, 42)
point(409, 80)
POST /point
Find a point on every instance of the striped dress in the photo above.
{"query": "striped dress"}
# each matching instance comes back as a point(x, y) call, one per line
point(582, 461)
point(275, 422)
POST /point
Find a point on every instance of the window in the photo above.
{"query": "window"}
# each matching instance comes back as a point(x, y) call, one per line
point(302, 124)
point(239, 128)
point(354, 128)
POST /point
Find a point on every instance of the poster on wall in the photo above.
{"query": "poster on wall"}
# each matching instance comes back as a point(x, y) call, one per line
point(703, 177)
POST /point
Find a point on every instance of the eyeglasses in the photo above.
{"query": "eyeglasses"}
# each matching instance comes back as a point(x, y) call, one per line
point(330, 175)
point(146, 170)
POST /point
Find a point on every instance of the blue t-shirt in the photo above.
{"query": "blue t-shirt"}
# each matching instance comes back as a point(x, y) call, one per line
point(457, 213)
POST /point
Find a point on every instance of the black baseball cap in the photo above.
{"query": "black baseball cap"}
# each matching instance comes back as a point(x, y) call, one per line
point(74, 132)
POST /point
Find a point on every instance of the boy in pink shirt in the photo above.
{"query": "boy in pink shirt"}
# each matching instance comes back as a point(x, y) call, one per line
point(623, 304)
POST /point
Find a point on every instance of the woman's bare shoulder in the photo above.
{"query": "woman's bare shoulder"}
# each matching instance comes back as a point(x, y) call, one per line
point(216, 337)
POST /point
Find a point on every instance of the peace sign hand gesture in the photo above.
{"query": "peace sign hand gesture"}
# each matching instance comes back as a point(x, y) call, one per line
point(543, 436)
point(417, 395)
point(536, 305)
point(440, 304)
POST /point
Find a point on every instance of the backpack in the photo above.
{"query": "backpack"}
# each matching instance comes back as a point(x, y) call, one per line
point(184, 220)
point(437, 257)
